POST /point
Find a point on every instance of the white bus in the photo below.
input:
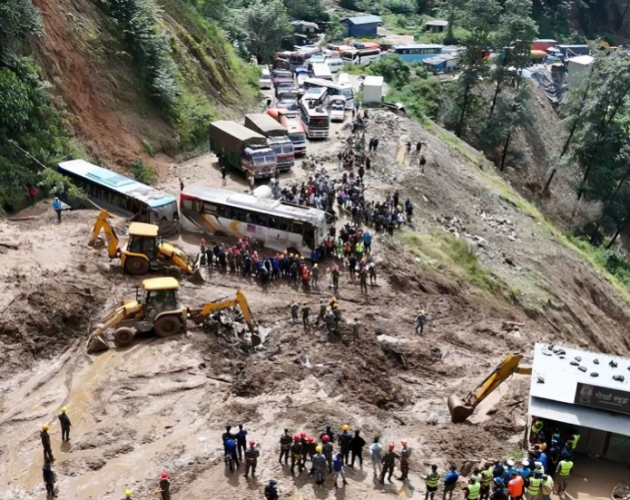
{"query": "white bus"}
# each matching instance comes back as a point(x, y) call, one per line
point(315, 119)
point(332, 89)
point(322, 71)
point(362, 57)
point(343, 79)
point(317, 94)
point(277, 225)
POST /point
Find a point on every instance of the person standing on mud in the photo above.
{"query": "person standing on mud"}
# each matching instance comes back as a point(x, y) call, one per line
point(356, 326)
point(251, 459)
point(376, 455)
point(327, 450)
point(48, 456)
point(421, 319)
point(295, 307)
point(356, 447)
point(241, 441)
point(57, 207)
point(319, 465)
point(322, 312)
point(363, 280)
point(450, 482)
point(345, 443)
point(389, 461)
point(64, 420)
point(334, 273)
point(165, 486)
point(404, 461)
point(306, 316)
point(271, 490)
point(432, 481)
point(49, 480)
point(224, 174)
point(296, 455)
point(285, 447)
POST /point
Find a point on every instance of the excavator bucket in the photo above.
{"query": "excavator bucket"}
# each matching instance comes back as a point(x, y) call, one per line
point(459, 410)
point(256, 340)
point(96, 344)
point(197, 277)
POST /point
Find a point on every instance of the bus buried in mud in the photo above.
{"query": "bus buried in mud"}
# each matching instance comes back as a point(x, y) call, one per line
point(119, 194)
point(277, 225)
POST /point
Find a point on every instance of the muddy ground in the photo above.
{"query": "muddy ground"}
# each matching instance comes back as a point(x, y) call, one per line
point(161, 404)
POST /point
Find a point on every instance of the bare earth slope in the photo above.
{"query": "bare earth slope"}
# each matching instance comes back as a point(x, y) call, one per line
point(162, 403)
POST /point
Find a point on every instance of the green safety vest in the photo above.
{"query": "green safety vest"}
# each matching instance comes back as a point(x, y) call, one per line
point(538, 426)
point(486, 477)
point(359, 248)
point(565, 467)
point(433, 479)
point(534, 486)
point(473, 491)
point(548, 486)
point(574, 441)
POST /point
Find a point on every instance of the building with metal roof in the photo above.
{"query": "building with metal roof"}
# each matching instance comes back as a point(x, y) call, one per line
point(362, 26)
point(436, 26)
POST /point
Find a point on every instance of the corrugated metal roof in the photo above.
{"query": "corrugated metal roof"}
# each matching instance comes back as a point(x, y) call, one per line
point(363, 20)
point(582, 60)
point(437, 22)
point(118, 183)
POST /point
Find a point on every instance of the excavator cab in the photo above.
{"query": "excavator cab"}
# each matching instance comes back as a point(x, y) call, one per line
point(142, 248)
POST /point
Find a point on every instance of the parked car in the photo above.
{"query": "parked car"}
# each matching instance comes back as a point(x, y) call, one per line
point(265, 80)
point(337, 108)
point(282, 73)
point(289, 103)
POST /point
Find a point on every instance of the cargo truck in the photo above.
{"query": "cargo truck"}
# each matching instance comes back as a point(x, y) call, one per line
point(242, 148)
point(290, 121)
point(276, 136)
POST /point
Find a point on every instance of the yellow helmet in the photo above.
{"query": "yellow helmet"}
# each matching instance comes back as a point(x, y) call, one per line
point(128, 493)
point(45, 427)
point(328, 309)
point(64, 410)
point(318, 449)
point(345, 427)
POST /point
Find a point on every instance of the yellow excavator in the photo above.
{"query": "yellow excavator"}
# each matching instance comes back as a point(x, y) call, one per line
point(144, 250)
point(461, 410)
point(157, 309)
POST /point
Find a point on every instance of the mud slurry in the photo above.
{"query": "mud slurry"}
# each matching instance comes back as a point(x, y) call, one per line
point(162, 404)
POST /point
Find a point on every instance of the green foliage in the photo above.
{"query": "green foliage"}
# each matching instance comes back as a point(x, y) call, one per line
point(391, 67)
point(148, 148)
point(15, 105)
point(306, 10)
point(266, 24)
point(335, 31)
point(142, 173)
point(17, 18)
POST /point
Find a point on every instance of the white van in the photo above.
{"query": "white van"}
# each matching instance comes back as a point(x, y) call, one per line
point(337, 108)
point(334, 64)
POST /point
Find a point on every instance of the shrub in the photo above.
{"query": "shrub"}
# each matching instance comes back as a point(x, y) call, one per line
point(142, 173)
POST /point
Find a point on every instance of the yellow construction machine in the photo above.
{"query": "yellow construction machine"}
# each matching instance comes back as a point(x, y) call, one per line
point(144, 250)
point(461, 410)
point(159, 311)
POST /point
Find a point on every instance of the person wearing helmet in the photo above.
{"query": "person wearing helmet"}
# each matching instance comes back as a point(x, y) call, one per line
point(296, 454)
point(334, 273)
point(389, 462)
point(345, 443)
point(49, 479)
point(128, 494)
point(295, 309)
point(322, 312)
point(327, 448)
point(329, 319)
point(271, 490)
point(311, 446)
point(486, 481)
point(499, 492)
point(251, 459)
point(64, 420)
point(405, 453)
point(314, 275)
point(165, 486)
point(306, 315)
point(319, 465)
point(356, 447)
point(328, 432)
point(46, 444)
point(472, 489)
point(431, 481)
point(285, 447)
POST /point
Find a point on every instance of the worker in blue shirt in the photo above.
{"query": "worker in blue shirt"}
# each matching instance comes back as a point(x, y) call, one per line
point(57, 207)
point(498, 470)
point(508, 471)
point(524, 471)
point(450, 482)
point(241, 441)
point(230, 449)
point(543, 459)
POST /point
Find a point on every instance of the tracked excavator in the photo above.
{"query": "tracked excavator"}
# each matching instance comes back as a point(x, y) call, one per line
point(157, 309)
point(144, 250)
point(461, 410)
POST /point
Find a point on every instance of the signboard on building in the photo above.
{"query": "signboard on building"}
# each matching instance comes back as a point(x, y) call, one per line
point(602, 398)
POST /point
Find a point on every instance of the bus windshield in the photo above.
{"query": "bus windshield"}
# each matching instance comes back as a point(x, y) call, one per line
point(347, 92)
point(319, 122)
point(297, 137)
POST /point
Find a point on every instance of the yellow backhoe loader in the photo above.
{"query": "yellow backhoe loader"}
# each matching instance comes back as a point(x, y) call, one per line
point(159, 311)
point(461, 410)
point(144, 251)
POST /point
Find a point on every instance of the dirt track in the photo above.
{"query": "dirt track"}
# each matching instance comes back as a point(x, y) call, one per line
point(162, 404)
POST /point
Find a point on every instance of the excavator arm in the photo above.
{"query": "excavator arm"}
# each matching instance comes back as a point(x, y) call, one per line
point(199, 315)
point(119, 313)
point(461, 410)
point(180, 258)
point(102, 224)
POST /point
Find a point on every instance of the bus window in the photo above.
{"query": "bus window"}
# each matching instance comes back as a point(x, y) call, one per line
point(257, 219)
point(209, 209)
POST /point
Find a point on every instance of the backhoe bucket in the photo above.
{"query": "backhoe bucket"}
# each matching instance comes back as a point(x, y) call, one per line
point(96, 344)
point(197, 277)
point(459, 410)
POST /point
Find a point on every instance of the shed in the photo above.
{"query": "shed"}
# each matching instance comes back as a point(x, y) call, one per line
point(373, 89)
point(576, 66)
point(436, 26)
point(305, 27)
point(574, 391)
point(452, 61)
point(574, 50)
point(436, 64)
point(361, 26)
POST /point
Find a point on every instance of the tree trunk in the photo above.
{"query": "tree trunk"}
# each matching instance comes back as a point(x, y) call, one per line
point(460, 122)
point(587, 172)
point(614, 193)
point(494, 98)
point(505, 150)
point(620, 228)
point(548, 183)
point(565, 148)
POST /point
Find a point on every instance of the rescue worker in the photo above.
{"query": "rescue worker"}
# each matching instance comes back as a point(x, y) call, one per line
point(356, 326)
point(165, 486)
point(271, 490)
point(128, 494)
point(314, 275)
point(421, 319)
point(563, 472)
point(431, 481)
point(486, 481)
point(547, 487)
point(329, 319)
point(472, 490)
point(241, 441)
point(389, 462)
point(295, 308)
point(306, 315)
point(251, 459)
point(285, 447)
point(334, 273)
point(321, 313)
point(65, 424)
point(405, 453)
point(356, 447)
point(311, 446)
point(46, 444)
point(296, 455)
point(319, 466)
point(363, 280)
point(338, 469)
point(328, 432)
point(345, 443)
point(327, 450)
point(49, 479)
point(499, 492)
point(230, 450)
point(376, 455)
point(371, 267)
point(450, 481)
point(516, 486)
point(534, 485)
